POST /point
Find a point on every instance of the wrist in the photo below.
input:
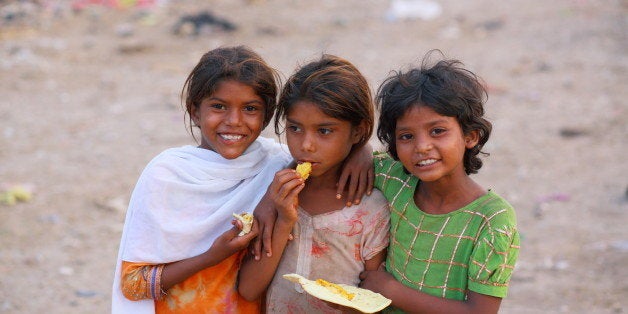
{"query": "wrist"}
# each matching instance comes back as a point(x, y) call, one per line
point(392, 288)
point(284, 224)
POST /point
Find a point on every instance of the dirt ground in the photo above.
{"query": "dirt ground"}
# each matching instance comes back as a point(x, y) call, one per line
point(90, 95)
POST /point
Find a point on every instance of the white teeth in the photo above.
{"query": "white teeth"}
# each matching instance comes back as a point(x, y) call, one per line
point(427, 162)
point(231, 137)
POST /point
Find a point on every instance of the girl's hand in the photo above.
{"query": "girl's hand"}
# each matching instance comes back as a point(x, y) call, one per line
point(359, 168)
point(267, 210)
point(266, 214)
point(284, 192)
point(377, 280)
point(229, 242)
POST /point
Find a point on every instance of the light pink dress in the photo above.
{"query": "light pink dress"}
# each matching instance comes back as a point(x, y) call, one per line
point(331, 246)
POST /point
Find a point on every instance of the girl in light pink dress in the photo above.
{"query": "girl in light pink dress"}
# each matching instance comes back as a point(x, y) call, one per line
point(328, 112)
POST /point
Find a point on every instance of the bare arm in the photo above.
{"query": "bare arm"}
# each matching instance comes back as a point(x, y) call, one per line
point(358, 171)
point(266, 214)
point(413, 301)
point(255, 275)
point(376, 261)
point(224, 246)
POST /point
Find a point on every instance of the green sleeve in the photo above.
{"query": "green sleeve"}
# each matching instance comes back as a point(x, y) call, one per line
point(493, 260)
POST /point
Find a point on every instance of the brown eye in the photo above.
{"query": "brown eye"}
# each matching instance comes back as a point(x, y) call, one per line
point(293, 128)
point(218, 106)
point(324, 131)
point(438, 131)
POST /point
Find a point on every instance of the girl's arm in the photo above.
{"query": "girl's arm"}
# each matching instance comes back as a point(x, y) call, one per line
point(413, 301)
point(148, 281)
point(359, 168)
point(376, 261)
point(255, 275)
point(224, 246)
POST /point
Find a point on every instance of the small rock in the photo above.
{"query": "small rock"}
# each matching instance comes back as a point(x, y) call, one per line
point(572, 132)
point(117, 204)
point(85, 293)
point(492, 25)
point(202, 23)
point(66, 270)
point(125, 30)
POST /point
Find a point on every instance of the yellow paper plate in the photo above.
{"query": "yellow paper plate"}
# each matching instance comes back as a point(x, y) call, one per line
point(364, 300)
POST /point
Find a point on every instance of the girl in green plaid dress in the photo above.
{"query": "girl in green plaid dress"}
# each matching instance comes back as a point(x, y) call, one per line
point(453, 243)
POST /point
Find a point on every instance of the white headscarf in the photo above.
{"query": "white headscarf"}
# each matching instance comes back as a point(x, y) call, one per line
point(183, 201)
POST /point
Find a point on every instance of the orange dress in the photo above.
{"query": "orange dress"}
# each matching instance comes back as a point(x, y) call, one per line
point(212, 290)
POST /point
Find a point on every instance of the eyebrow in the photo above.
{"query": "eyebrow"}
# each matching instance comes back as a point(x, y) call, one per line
point(253, 101)
point(431, 123)
point(318, 125)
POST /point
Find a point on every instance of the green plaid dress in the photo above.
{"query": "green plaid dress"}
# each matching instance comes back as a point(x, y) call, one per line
point(473, 248)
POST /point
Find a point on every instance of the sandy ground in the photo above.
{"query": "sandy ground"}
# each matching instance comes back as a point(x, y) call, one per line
point(89, 97)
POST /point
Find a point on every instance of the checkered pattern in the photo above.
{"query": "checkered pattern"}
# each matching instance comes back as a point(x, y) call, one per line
point(473, 248)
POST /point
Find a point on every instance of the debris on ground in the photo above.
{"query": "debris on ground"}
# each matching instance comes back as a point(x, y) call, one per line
point(413, 9)
point(15, 194)
point(202, 23)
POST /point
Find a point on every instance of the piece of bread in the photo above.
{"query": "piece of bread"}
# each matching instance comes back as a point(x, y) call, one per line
point(337, 289)
point(360, 299)
point(304, 170)
point(247, 222)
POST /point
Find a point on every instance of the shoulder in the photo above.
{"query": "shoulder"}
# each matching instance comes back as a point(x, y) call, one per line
point(165, 164)
point(375, 203)
point(382, 160)
point(274, 149)
point(390, 175)
point(386, 165)
point(178, 155)
point(498, 217)
point(169, 155)
point(376, 199)
point(495, 207)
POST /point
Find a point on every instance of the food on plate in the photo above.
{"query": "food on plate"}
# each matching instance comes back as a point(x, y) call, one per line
point(337, 289)
point(304, 169)
point(360, 299)
point(247, 222)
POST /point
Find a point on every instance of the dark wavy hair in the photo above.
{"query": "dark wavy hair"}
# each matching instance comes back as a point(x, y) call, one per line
point(448, 89)
point(238, 63)
point(337, 87)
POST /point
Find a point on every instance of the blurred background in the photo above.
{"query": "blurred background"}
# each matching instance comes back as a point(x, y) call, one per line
point(90, 92)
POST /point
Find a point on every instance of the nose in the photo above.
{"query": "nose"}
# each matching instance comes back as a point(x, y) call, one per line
point(423, 144)
point(308, 143)
point(234, 117)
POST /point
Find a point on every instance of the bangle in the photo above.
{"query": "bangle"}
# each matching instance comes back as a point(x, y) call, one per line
point(157, 291)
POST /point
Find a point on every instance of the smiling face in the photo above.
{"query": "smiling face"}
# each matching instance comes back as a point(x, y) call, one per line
point(320, 139)
point(230, 119)
point(432, 146)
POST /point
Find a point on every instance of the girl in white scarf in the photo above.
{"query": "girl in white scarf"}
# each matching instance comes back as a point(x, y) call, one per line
point(179, 252)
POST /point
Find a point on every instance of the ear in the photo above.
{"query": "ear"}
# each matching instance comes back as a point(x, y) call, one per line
point(358, 132)
point(195, 115)
point(471, 139)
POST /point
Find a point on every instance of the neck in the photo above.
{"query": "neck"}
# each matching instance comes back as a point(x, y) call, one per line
point(443, 197)
point(319, 194)
point(328, 179)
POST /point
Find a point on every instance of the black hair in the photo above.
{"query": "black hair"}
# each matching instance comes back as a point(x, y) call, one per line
point(448, 89)
point(238, 63)
point(337, 87)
